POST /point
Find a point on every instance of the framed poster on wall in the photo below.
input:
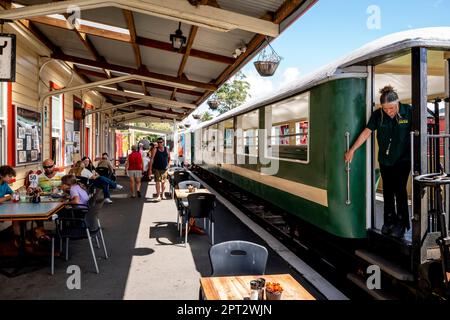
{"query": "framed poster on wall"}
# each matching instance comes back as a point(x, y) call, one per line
point(28, 136)
point(68, 142)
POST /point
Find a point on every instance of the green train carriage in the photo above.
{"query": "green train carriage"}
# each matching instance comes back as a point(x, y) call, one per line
point(306, 129)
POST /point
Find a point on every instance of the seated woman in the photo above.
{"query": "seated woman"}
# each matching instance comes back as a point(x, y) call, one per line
point(88, 163)
point(78, 195)
point(98, 181)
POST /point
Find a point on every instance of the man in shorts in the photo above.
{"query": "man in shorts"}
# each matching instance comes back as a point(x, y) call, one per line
point(159, 165)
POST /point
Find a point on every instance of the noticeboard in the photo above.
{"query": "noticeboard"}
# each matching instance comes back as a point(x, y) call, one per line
point(28, 136)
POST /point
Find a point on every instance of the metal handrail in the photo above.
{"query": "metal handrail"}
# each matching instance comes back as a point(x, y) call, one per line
point(347, 169)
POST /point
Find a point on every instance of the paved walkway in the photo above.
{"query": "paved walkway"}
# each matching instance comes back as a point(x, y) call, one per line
point(147, 259)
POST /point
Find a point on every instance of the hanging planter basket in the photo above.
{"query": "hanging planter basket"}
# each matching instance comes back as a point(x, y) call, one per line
point(181, 127)
point(213, 103)
point(196, 116)
point(187, 125)
point(267, 62)
point(266, 68)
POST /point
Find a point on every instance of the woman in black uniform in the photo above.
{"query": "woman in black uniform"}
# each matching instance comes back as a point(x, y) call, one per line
point(393, 125)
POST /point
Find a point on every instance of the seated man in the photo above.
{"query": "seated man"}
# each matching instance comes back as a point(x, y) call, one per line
point(50, 178)
point(105, 163)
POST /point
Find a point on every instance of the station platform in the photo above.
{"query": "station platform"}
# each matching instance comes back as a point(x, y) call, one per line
point(147, 258)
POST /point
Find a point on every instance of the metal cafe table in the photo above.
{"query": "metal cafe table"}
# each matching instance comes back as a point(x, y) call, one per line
point(23, 212)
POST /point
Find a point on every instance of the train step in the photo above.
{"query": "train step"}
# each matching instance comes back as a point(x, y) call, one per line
point(389, 267)
point(398, 250)
point(378, 294)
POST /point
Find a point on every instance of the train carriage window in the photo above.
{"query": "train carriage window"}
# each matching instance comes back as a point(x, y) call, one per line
point(247, 138)
point(288, 129)
point(226, 134)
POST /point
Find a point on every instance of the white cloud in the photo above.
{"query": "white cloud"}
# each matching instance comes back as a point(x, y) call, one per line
point(289, 75)
point(259, 86)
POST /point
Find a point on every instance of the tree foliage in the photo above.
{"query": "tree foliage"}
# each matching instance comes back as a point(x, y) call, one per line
point(233, 93)
point(206, 116)
point(160, 126)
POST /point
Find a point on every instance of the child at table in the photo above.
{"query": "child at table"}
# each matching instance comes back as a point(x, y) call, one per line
point(6, 174)
point(70, 185)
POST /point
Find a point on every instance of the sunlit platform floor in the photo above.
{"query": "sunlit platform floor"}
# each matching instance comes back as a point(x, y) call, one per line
point(147, 258)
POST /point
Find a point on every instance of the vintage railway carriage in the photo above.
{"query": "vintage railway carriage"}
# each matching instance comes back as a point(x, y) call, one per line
point(288, 148)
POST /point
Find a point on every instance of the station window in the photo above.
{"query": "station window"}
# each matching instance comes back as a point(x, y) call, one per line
point(288, 136)
point(247, 140)
point(57, 131)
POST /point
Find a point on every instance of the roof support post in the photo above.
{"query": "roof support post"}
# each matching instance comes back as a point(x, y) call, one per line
point(420, 142)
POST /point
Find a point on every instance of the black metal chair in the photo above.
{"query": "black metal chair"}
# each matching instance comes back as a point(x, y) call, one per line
point(178, 176)
point(85, 181)
point(200, 205)
point(104, 172)
point(78, 222)
point(234, 258)
point(182, 204)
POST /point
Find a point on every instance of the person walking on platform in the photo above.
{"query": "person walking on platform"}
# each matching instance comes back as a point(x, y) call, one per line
point(159, 165)
point(133, 167)
point(393, 125)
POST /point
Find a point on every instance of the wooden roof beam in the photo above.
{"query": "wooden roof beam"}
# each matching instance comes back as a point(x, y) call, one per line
point(145, 42)
point(153, 77)
point(128, 15)
point(202, 16)
point(136, 82)
point(190, 42)
point(150, 99)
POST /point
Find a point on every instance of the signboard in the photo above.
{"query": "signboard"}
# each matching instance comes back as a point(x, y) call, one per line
point(28, 136)
point(7, 57)
point(33, 178)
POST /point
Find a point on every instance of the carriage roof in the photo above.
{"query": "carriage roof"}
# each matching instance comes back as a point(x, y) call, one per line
point(352, 65)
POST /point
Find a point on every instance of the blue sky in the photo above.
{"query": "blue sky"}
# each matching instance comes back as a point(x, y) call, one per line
point(333, 28)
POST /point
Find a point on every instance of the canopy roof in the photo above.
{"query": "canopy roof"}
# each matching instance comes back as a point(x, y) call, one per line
point(123, 37)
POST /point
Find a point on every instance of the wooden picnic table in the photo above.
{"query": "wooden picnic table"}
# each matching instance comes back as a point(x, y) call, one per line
point(182, 194)
point(238, 287)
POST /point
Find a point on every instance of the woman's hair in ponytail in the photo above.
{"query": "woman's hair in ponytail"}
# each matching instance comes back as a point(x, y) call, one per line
point(388, 94)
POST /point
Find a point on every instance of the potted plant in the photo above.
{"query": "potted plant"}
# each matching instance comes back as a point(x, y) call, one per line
point(213, 102)
point(196, 116)
point(273, 291)
point(267, 62)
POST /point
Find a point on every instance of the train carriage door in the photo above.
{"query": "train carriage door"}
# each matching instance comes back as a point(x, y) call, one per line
point(420, 78)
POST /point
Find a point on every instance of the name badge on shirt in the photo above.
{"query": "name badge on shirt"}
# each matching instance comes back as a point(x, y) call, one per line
point(403, 121)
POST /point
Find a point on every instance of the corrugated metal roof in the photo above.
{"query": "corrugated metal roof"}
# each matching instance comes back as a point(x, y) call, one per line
point(254, 8)
point(65, 39)
point(154, 32)
point(220, 42)
point(109, 15)
point(152, 59)
point(115, 52)
point(201, 70)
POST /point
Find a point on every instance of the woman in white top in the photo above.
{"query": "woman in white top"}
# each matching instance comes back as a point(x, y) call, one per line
point(98, 181)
